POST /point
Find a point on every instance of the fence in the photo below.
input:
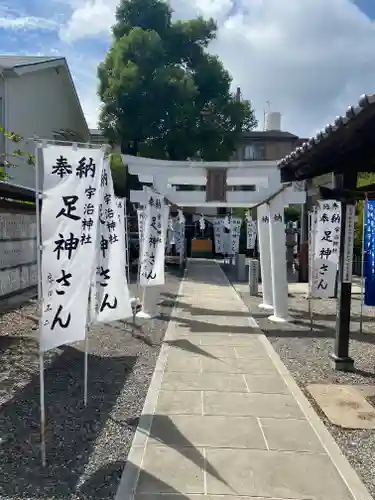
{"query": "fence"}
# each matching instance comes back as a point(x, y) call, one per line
point(18, 269)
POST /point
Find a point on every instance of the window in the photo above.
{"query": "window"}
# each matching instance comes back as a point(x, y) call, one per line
point(246, 187)
point(189, 187)
point(255, 151)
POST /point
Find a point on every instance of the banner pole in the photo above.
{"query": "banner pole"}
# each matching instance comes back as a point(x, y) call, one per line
point(363, 264)
point(127, 260)
point(86, 363)
point(38, 147)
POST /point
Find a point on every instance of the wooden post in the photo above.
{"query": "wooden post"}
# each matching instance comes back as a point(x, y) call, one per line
point(303, 242)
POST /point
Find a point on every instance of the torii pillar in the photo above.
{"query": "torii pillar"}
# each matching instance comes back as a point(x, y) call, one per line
point(278, 260)
point(264, 254)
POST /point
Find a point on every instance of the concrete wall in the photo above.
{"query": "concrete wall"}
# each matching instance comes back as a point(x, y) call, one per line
point(18, 270)
point(37, 104)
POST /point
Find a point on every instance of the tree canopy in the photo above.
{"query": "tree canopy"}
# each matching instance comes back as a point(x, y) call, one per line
point(164, 96)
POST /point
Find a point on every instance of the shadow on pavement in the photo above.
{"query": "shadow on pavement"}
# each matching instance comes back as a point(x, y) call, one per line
point(200, 311)
point(165, 431)
point(100, 486)
point(186, 345)
point(71, 429)
point(196, 326)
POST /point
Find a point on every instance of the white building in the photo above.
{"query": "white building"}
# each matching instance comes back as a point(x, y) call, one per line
point(38, 98)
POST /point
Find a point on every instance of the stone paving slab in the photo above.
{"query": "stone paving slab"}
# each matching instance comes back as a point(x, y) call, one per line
point(207, 431)
point(344, 405)
point(223, 419)
point(274, 474)
point(203, 382)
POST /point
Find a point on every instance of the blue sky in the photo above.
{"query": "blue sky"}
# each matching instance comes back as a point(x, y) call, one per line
point(367, 6)
point(309, 58)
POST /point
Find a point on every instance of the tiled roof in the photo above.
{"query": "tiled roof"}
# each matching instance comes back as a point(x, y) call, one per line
point(269, 134)
point(353, 113)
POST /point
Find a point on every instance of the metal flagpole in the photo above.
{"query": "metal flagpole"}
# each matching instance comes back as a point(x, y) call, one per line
point(86, 366)
point(127, 263)
point(363, 264)
point(38, 148)
point(91, 315)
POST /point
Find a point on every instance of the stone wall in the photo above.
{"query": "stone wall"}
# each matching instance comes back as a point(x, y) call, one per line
point(18, 269)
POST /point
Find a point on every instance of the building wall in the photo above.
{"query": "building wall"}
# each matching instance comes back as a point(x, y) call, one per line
point(273, 150)
point(96, 137)
point(277, 150)
point(268, 148)
point(38, 103)
point(18, 269)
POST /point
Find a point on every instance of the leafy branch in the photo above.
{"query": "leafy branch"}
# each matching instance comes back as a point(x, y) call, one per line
point(8, 159)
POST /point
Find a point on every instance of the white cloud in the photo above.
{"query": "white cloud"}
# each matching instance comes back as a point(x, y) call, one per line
point(89, 18)
point(310, 58)
point(16, 19)
point(27, 23)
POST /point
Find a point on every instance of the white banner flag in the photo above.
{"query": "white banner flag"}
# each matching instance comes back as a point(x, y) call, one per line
point(153, 249)
point(171, 236)
point(311, 240)
point(219, 236)
point(326, 248)
point(141, 224)
point(251, 233)
point(235, 231)
point(121, 207)
point(112, 292)
point(71, 194)
point(179, 232)
point(349, 244)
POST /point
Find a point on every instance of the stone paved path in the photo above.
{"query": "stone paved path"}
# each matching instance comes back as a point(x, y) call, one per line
point(223, 419)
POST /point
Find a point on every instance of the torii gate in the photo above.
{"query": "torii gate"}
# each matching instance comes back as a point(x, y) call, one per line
point(265, 176)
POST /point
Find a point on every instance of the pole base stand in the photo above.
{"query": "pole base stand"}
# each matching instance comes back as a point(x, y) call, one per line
point(143, 315)
point(345, 364)
point(267, 307)
point(278, 319)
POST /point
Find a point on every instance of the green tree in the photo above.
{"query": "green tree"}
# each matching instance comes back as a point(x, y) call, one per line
point(119, 175)
point(292, 213)
point(8, 160)
point(163, 94)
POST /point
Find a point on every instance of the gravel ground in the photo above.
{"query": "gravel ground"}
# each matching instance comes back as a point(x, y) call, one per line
point(306, 355)
point(86, 447)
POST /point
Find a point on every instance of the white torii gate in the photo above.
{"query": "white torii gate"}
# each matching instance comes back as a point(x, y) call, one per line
point(265, 175)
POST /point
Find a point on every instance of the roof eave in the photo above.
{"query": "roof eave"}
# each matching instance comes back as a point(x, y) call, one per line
point(22, 69)
point(297, 164)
